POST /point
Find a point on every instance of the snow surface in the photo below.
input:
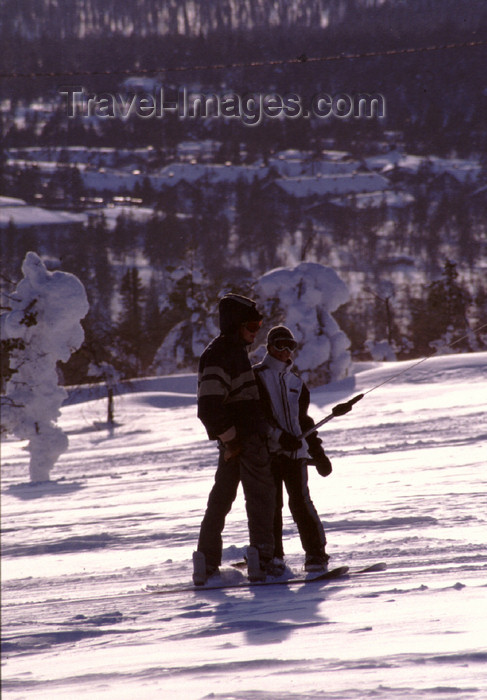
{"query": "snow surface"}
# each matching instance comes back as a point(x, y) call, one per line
point(408, 488)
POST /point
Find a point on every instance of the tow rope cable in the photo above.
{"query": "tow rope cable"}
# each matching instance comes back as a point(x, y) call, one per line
point(342, 408)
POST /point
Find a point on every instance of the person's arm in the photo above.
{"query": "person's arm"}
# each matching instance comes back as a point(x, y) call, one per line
point(315, 446)
point(214, 384)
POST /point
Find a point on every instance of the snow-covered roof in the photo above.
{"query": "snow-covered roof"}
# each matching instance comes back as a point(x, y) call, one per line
point(141, 82)
point(290, 153)
point(12, 202)
point(192, 172)
point(44, 166)
point(333, 184)
point(310, 167)
point(387, 162)
point(459, 168)
point(375, 199)
point(49, 156)
point(296, 154)
point(24, 215)
point(170, 175)
point(197, 147)
point(383, 160)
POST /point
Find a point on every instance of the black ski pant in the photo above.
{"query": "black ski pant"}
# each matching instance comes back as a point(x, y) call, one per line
point(293, 473)
point(252, 467)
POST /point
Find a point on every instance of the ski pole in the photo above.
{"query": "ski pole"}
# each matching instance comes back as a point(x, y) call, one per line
point(342, 408)
point(423, 359)
point(339, 410)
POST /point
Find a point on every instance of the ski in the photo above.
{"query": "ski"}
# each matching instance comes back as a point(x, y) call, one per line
point(215, 584)
point(379, 566)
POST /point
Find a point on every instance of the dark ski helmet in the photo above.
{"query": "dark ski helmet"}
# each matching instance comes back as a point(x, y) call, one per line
point(234, 310)
point(281, 337)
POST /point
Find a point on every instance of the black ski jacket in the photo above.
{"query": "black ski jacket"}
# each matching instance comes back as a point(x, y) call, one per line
point(227, 390)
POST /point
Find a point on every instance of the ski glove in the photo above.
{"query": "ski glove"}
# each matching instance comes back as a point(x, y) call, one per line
point(322, 464)
point(289, 442)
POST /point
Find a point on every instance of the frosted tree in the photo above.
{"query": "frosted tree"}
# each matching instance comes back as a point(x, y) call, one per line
point(44, 320)
point(303, 298)
point(189, 296)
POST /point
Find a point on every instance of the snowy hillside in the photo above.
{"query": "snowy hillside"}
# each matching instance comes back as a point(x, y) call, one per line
point(123, 512)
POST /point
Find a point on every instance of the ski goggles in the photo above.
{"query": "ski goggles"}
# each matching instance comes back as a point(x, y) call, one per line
point(285, 344)
point(252, 326)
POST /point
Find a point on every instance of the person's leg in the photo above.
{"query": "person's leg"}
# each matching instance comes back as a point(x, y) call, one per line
point(220, 501)
point(278, 545)
point(310, 527)
point(259, 490)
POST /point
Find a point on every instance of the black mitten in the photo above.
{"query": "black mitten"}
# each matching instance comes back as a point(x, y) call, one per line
point(289, 442)
point(322, 464)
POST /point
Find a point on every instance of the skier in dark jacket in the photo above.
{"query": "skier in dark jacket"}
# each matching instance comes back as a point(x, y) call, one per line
point(286, 398)
point(230, 409)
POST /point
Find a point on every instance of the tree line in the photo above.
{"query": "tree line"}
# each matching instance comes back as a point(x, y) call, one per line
point(84, 18)
point(144, 278)
point(431, 96)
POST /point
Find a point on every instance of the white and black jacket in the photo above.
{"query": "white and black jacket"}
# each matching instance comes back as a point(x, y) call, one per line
point(286, 401)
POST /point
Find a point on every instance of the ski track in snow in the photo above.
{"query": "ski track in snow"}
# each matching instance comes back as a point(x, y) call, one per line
point(123, 512)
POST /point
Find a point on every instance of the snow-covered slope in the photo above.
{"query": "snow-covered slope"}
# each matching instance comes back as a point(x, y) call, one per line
point(408, 488)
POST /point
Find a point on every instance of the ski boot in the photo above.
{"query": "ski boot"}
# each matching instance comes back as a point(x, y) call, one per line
point(316, 562)
point(259, 569)
point(202, 572)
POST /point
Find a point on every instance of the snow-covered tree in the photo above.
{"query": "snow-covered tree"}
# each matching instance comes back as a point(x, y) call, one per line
point(189, 298)
point(45, 322)
point(303, 298)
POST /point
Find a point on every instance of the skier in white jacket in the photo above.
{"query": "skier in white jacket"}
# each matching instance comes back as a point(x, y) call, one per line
point(286, 401)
